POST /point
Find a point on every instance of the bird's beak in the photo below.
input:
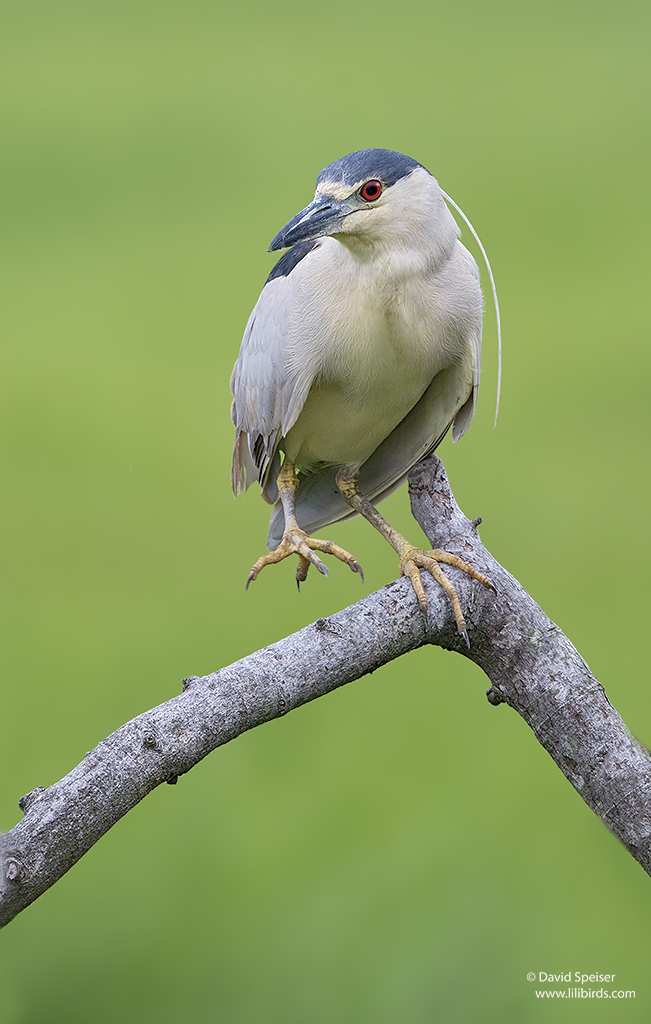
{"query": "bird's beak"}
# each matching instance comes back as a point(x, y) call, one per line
point(324, 216)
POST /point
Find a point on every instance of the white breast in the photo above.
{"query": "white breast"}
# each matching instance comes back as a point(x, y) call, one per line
point(376, 332)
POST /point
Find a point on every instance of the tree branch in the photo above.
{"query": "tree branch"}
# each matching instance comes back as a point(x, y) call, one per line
point(531, 664)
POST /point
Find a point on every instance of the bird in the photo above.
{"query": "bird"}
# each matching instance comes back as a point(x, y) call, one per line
point(362, 351)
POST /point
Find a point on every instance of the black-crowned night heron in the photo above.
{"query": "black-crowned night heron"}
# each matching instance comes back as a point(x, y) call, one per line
point(362, 351)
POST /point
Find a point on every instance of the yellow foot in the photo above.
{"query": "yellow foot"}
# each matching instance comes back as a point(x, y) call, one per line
point(414, 559)
point(297, 542)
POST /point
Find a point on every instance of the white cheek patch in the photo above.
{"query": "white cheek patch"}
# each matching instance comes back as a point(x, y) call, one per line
point(354, 221)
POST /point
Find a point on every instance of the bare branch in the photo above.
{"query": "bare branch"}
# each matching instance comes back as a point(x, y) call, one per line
point(532, 666)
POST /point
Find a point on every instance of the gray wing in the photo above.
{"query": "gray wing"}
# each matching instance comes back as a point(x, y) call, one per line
point(318, 501)
point(268, 391)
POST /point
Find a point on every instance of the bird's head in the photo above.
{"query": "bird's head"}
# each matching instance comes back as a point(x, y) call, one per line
point(371, 197)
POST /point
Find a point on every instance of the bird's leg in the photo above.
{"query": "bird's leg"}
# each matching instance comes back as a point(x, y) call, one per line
point(295, 541)
point(412, 559)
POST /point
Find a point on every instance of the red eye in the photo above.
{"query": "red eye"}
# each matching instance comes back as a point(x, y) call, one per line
point(371, 190)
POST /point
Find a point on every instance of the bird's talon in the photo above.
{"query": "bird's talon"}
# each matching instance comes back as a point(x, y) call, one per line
point(296, 542)
point(301, 571)
point(414, 558)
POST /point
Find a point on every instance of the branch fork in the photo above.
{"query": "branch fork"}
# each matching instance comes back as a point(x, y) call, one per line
point(531, 665)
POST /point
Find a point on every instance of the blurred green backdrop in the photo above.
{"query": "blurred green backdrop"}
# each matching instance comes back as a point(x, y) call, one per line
point(399, 850)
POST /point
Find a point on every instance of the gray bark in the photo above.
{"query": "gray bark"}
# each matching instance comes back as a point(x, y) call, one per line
point(531, 664)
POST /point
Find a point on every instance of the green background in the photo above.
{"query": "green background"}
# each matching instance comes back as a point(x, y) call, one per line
point(399, 850)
